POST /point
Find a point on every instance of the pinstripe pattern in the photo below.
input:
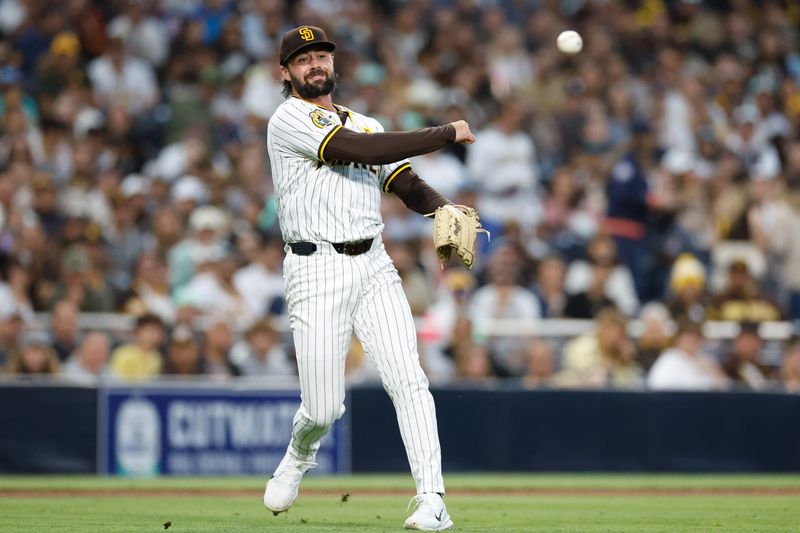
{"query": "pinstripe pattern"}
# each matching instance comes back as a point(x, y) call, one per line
point(331, 296)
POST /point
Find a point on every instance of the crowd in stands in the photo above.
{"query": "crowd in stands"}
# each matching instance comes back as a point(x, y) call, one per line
point(655, 177)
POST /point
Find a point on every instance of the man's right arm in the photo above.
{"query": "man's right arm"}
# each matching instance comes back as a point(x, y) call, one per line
point(383, 148)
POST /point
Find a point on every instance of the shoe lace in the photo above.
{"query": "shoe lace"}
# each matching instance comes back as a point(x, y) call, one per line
point(418, 499)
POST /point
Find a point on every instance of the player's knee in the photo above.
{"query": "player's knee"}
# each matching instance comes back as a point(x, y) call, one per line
point(323, 418)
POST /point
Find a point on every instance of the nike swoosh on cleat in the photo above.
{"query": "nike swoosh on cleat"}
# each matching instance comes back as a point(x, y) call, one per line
point(439, 516)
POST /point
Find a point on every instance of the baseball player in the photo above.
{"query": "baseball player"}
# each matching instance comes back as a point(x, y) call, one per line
point(329, 167)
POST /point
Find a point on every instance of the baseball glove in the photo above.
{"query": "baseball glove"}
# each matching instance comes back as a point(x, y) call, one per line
point(455, 227)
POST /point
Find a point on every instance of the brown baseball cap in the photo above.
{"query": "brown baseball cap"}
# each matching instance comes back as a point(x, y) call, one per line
point(295, 40)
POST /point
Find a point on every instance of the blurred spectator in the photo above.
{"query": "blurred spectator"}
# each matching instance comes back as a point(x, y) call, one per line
point(35, 356)
point(602, 358)
point(118, 77)
point(87, 364)
point(265, 355)
point(688, 298)
point(503, 298)
point(64, 325)
point(541, 364)
point(776, 228)
point(212, 288)
point(218, 343)
point(655, 337)
point(149, 292)
point(790, 369)
point(740, 299)
point(145, 35)
point(462, 340)
point(502, 161)
point(742, 364)
point(11, 325)
point(474, 363)
point(415, 283)
point(140, 360)
point(260, 282)
point(358, 368)
point(549, 287)
point(442, 171)
point(629, 201)
point(567, 222)
point(76, 284)
point(589, 302)
point(183, 355)
point(208, 227)
point(685, 366)
point(600, 280)
point(16, 289)
point(440, 329)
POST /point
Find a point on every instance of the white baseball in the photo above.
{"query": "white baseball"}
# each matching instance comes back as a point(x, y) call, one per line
point(569, 42)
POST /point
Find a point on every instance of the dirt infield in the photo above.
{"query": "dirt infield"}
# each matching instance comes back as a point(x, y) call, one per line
point(338, 492)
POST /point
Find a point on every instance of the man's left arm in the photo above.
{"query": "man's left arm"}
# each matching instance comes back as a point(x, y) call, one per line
point(413, 191)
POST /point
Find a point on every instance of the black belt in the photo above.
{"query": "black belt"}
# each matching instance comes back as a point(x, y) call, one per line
point(346, 248)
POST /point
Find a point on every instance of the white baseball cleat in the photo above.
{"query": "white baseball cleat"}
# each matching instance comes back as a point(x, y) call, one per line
point(431, 513)
point(282, 488)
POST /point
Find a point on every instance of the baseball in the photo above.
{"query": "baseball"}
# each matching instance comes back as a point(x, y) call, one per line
point(569, 42)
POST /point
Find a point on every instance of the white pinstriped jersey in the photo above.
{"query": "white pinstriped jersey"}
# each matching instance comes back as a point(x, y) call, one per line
point(323, 200)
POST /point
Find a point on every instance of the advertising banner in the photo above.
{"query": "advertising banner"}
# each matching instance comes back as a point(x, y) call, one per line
point(159, 431)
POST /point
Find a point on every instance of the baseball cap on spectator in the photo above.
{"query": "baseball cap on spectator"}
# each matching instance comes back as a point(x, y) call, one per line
point(35, 337)
point(134, 184)
point(687, 271)
point(293, 41)
point(208, 254)
point(208, 217)
point(66, 44)
point(423, 93)
point(189, 188)
point(182, 334)
point(89, 119)
point(767, 167)
point(746, 114)
point(9, 309)
point(678, 161)
point(119, 32)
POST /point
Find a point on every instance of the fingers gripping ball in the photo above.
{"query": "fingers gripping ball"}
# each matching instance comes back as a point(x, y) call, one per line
point(455, 227)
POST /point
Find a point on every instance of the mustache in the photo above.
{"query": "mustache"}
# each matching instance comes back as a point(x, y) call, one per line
point(315, 72)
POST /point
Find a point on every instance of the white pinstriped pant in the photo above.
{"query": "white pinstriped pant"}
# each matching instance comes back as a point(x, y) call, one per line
point(330, 296)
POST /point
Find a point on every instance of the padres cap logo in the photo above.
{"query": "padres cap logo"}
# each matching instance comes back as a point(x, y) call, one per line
point(295, 40)
point(306, 33)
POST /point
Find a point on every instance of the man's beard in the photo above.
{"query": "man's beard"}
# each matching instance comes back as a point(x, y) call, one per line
point(310, 91)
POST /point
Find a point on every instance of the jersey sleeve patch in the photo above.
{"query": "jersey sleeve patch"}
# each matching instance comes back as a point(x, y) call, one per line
point(319, 119)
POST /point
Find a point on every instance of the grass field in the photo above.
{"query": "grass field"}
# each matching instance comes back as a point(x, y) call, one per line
point(477, 503)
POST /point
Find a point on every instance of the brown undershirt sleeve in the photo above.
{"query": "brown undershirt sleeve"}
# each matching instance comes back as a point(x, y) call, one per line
point(415, 193)
point(382, 148)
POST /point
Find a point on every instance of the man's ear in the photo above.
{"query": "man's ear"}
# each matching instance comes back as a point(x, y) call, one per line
point(285, 74)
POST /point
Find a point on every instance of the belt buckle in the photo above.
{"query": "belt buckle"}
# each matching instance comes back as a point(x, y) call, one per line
point(352, 248)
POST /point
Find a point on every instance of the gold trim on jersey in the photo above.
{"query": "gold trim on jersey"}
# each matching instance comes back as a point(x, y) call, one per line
point(324, 143)
point(394, 174)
